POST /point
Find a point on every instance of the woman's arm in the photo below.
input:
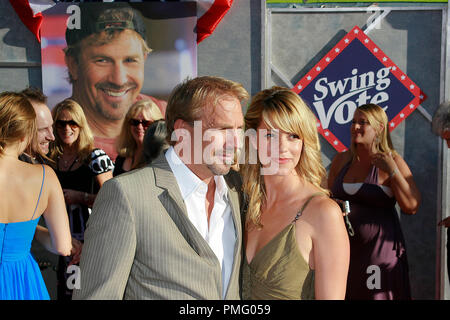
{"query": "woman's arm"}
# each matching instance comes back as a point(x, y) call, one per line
point(331, 250)
point(336, 166)
point(400, 179)
point(55, 216)
point(405, 190)
point(103, 177)
point(43, 236)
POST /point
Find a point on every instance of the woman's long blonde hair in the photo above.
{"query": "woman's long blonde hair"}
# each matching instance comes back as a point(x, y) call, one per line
point(377, 118)
point(126, 145)
point(85, 141)
point(280, 108)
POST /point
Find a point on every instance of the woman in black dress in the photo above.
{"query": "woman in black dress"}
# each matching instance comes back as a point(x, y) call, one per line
point(81, 170)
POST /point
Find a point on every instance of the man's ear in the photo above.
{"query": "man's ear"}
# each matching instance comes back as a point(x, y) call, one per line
point(179, 124)
point(180, 129)
point(72, 66)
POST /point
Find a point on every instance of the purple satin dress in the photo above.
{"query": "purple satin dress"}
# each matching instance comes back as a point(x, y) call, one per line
point(378, 264)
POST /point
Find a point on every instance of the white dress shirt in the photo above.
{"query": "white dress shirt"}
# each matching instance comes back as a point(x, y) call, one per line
point(221, 233)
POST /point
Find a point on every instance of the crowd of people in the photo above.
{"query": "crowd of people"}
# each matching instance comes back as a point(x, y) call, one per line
point(177, 227)
point(172, 200)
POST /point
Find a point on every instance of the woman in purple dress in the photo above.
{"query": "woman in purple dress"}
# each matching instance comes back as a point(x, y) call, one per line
point(372, 176)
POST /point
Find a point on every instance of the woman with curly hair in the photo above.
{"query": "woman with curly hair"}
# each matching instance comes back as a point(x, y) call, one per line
point(81, 170)
point(130, 141)
point(296, 243)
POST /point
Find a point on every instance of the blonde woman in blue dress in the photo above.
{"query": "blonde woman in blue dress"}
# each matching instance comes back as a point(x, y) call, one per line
point(296, 243)
point(28, 191)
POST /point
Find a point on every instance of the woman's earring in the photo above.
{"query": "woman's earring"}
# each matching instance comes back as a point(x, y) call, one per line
point(377, 140)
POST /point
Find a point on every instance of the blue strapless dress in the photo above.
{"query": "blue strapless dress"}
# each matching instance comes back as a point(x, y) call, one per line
point(20, 276)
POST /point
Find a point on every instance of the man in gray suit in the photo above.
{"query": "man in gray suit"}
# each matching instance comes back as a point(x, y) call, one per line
point(172, 230)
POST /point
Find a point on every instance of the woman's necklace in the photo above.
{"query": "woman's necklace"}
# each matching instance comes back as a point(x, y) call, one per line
point(67, 164)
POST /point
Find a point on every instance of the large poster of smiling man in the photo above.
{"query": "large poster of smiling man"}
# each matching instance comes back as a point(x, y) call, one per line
point(107, 56)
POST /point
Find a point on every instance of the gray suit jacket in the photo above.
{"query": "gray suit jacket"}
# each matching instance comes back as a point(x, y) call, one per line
point(140, 243)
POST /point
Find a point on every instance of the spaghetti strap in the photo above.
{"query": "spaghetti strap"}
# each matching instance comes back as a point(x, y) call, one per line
point(40, 192)
point(305, 204)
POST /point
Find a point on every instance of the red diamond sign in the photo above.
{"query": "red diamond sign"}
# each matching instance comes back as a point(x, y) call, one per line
point(355, 72)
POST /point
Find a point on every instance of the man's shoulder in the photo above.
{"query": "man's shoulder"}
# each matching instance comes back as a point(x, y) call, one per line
point(136, 176)
point(25, 158)
point(147, 175)
point(37, 160)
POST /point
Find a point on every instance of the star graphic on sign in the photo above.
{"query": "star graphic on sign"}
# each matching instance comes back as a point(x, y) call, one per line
point(411, 106)
point(421, 96)
point(346, 40)
point(392, 124)
point(356, 30)
point(318, 68)
point(403, 77)
point(402, 115)
point(366, 41)
point(308, 77)
point(299, 86)
point(411, 86)
point(335, 143)
point(337, 50)
point(327, 133)
point(375, 50)
point(384, 59)
point(327, 59)
point(318, 124)
point(394, 68)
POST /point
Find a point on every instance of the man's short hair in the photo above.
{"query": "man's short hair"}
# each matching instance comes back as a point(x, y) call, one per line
point(98, 17)
point(441, 118)
point(188, 99)
point(35, 95)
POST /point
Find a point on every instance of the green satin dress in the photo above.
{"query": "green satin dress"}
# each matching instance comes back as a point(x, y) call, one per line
point(278, 271)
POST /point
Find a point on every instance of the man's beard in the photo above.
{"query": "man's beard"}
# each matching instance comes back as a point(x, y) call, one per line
point(108, 115)
point(219, 169)
point(223, 167)
point(105, 86)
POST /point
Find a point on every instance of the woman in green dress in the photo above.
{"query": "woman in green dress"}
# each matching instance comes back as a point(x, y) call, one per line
point(296, 243)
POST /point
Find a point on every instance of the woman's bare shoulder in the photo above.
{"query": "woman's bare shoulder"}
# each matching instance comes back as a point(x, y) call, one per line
point(39, 172)
point(323, 209)
point(341, 158)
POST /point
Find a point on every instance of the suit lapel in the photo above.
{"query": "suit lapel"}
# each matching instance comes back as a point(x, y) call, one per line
point(233, 196)
point(172, 201)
